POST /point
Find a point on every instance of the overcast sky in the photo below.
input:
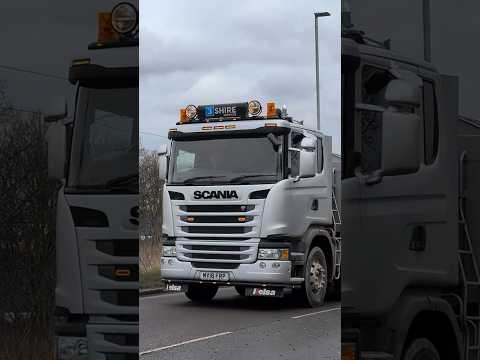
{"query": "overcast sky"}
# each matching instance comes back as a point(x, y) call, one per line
point(44, 37)
point(203, 52)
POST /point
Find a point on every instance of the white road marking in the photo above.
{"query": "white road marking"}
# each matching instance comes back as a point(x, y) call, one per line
point(184, 343)
point(315, 313)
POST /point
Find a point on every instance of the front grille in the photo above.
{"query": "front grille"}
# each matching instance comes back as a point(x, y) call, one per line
point(118, 247)
point(113, 341)
point(217, 208)
point(216, 229)
point(120, 297)
point(208, 265)
point(217, 219)
point(211, 251)
point(216, 248)
point(122, 339)
point(218, 256)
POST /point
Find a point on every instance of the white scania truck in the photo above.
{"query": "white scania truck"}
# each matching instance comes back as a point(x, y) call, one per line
point(249, 202)
point(95, 156)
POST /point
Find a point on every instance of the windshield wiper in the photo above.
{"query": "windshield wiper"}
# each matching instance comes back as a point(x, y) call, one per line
point(243, 177)
point(192, 179)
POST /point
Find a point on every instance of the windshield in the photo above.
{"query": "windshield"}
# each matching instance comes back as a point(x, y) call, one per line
point(105, 141)
point(225, 161)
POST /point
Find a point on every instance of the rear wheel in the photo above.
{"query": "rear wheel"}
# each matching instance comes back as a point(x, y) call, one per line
point(314, 288)
point(240, 290)
point(421, 349)
point(201, 293)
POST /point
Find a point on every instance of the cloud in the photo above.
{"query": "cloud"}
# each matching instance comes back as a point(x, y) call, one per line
point(212, 52)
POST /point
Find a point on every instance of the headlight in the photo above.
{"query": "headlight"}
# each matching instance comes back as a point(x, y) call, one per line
point(273, 254)
point(124, 18)
point(72, 348)
point(170, 251)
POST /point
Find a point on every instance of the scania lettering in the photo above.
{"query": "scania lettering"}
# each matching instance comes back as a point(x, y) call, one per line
point(95, 156)
point(226, 194)
point(250, 202)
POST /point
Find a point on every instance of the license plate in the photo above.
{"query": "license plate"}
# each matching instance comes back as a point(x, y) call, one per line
point(214, 276)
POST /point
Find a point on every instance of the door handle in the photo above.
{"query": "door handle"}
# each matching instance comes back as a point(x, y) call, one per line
point(418, 241)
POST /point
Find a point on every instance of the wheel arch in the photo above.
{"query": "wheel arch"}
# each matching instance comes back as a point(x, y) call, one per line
point(320, 237)
point(430, 317)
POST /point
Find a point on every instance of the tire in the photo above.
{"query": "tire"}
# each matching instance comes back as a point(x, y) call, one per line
point(314, 289)
point(240, 290)
point(421, 349)
point(201, 293)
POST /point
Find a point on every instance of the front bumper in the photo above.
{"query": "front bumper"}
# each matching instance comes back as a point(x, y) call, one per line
point(173, 269)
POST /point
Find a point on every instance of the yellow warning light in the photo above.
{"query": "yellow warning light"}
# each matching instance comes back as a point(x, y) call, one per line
point(190, 219)
point(271, 110)
point(348, 351)
point(106, 33)
point(183, 116)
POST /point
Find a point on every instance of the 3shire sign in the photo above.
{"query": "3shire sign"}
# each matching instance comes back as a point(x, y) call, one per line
point(215, 194)
point(238, 110)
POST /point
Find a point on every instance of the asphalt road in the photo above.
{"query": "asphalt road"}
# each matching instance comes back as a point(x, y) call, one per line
point(236, 328)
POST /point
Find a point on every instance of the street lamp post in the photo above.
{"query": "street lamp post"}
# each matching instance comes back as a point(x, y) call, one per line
point(317, 15)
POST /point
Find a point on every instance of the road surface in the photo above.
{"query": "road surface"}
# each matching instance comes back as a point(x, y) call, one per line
point(236, 328)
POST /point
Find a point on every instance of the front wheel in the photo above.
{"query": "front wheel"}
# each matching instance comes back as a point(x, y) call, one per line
point(314, 288)
point(421, 349)
point(201, 293)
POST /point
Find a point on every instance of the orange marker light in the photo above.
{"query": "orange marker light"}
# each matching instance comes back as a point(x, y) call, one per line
point(242, 219)
point(190, 219)
point(106, 33)
point(122, 272)
point(284, 254)
point(183, 116)
point(271, 110)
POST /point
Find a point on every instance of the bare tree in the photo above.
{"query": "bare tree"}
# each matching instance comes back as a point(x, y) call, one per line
point(27, 239)
point(151, 188)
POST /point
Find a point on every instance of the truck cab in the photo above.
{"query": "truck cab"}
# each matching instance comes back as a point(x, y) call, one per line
point(94, 155)
point(249, 202)
point(400, 199)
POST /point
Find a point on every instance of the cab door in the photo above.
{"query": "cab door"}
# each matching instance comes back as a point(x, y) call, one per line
point(407, 227)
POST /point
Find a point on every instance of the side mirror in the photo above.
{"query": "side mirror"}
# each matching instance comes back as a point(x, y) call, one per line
point(56, 139)
point(400, 145)
point(308, 144)
point(403, 93)
point(308, 163)
point(163, 161)
point(57, 109)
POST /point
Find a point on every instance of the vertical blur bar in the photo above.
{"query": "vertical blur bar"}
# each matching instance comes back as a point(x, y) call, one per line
point(427, 31)
point(69, 180)
point(411, 137)
point(317, 64)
